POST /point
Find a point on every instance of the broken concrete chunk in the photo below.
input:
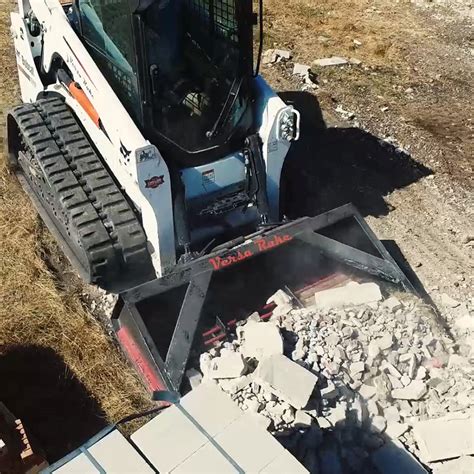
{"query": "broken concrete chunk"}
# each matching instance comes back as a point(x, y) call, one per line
point(444, 438)
point(385, 342)
point(333, 61)
point(462, 465)
point(392, 304)
point(413, 391)
point(234, 386)
point(391, 414)
point(280, 298)
point(356, 368)
point(301, 69)
point(367, 391)
point(378, 424)
point(286, 379)
point(302, 419)
point(194, 378)
point(230, 366)
point(373, 349)
point(282, 54)
point(259, 340)
point(351, 294)
point(395, 429)
point(330, 391)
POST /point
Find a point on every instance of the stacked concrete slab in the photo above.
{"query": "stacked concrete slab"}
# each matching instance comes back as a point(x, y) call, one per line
point(208, 432)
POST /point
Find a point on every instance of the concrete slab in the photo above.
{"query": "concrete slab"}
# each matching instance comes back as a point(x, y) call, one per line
point(249, 445)
point(79, 465)
point(445, 438)
point(169, 439)
point(206, 460)
point(115, 454)
point(285, 463)
point(213, 409)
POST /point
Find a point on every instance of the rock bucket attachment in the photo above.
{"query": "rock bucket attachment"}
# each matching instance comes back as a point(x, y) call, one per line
point(156, 322)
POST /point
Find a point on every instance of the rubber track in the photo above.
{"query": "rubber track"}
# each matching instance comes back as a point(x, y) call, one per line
point(95, 219)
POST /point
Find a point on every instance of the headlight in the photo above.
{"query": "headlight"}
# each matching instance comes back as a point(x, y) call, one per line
point(288, 124)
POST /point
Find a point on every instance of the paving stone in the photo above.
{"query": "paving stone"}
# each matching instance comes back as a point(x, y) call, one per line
point(260, 340)
point(249, 444)
point(115, 454)
point(171, 437)
point(286, 379)
point(445, 438)
point(285, 463)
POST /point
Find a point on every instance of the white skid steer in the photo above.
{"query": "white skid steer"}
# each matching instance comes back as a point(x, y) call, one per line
point(153, 151)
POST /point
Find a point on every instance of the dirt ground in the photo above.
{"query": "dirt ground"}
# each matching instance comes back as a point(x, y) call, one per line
point(394, 135)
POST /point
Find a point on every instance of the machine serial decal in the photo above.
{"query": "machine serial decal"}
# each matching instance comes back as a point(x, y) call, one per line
point(262, 244)
point(208, 177)
point(146, 155)
point(154, 182)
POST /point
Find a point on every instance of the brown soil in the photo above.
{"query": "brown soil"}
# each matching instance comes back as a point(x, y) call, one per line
point(405, 160)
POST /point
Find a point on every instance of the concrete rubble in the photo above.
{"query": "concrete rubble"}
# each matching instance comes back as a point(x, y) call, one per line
point(353, 380)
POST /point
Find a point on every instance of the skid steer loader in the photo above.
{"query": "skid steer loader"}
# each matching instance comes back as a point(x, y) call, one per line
point(153, 150)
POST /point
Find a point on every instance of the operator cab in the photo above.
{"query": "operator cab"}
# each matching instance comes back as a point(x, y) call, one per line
point(182, 68)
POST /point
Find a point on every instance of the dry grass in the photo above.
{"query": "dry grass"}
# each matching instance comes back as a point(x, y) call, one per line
point(42, 326)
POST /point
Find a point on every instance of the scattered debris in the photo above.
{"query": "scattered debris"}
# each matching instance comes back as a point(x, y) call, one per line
point(275, 55)
point(351, 373)
point(333, 61)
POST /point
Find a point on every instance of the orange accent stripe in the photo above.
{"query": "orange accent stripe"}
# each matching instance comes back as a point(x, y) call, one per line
point(84, 101)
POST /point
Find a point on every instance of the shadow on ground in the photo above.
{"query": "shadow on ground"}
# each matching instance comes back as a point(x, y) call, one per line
point(39, 388)
point(329, 167)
